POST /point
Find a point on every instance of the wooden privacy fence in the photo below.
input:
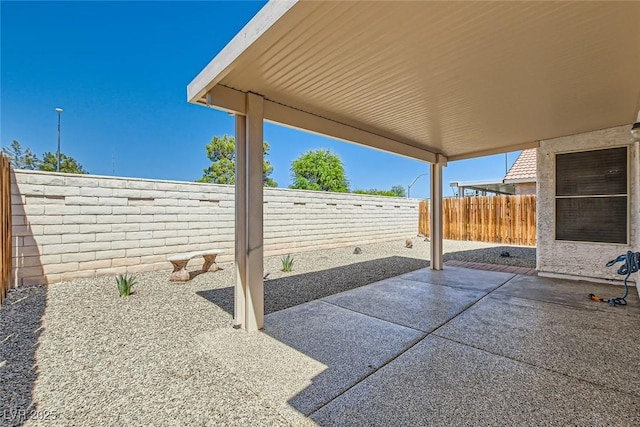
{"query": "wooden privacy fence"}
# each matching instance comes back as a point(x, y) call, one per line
point(496, 219)
point(5, 227)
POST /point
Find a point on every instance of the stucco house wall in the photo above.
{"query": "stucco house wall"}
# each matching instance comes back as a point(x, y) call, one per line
point(581, 259)
point(525, 188)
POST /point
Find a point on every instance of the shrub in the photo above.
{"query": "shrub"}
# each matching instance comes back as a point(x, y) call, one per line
point(125, 283)
point(287, 263)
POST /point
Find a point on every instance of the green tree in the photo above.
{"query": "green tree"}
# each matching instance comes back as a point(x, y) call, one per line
point(222, 153)
point(68, 164)
point(396, 191)
point(20, 160)
point(319, 170)
point(29, 160)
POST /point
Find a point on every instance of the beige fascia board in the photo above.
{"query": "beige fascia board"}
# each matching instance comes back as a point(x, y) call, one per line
point(227, 99)
point(224, 61)
point(234, 101)
point(499, 150)
point(298, 119)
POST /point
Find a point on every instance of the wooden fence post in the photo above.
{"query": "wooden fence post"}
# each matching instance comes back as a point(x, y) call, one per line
point(5, 227)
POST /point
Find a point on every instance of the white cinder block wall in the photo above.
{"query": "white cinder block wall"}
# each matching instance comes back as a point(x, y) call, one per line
point(68, 226)
point(587, 260)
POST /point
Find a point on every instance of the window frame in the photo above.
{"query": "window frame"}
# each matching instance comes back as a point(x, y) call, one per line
point(556, 197)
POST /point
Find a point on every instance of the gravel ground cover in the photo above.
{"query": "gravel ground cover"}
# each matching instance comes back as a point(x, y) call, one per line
point(519, 256)
point(75, 353)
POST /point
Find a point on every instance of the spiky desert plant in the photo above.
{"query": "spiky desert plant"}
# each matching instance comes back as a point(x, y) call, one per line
point(125, 283)
point(287, 263)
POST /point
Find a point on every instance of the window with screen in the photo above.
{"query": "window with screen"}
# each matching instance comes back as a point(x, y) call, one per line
point(591, 196)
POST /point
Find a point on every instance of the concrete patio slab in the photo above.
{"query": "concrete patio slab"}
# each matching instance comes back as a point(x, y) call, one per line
point(442, 383)
point(351, 345)
point(506, 350)
point(463, 278)
point(273, 371)
point(418, 305)
point(571, 292)
point(491, 267)
point(593, 345)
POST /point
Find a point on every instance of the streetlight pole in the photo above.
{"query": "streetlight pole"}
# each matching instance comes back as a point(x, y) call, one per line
point(59, 111)
point(413, 182)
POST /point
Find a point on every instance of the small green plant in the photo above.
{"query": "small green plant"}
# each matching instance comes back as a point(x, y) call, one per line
point(125, 283)
point(287, 263)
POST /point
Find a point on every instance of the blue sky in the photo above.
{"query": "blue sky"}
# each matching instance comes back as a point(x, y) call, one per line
point(120, 70)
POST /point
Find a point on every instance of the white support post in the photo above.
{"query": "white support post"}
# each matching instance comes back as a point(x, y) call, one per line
point(436, 215)
point(254, 296)
point(241, 222)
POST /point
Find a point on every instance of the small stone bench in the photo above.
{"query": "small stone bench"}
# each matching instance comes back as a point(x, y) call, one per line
point(180, 261)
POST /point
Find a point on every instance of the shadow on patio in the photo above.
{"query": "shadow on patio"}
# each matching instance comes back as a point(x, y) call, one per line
point(297, 289)
point(453, 347)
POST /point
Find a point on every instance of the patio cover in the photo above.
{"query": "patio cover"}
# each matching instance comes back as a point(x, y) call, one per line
point(434, 81)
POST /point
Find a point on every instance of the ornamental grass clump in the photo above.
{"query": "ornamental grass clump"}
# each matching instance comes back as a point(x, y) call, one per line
point(287, 263)
point(125, 283)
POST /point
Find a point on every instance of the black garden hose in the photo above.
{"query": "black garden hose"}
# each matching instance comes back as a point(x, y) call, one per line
point(631, 264)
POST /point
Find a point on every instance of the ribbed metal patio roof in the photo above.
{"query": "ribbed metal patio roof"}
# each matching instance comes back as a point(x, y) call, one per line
point(460, 79)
